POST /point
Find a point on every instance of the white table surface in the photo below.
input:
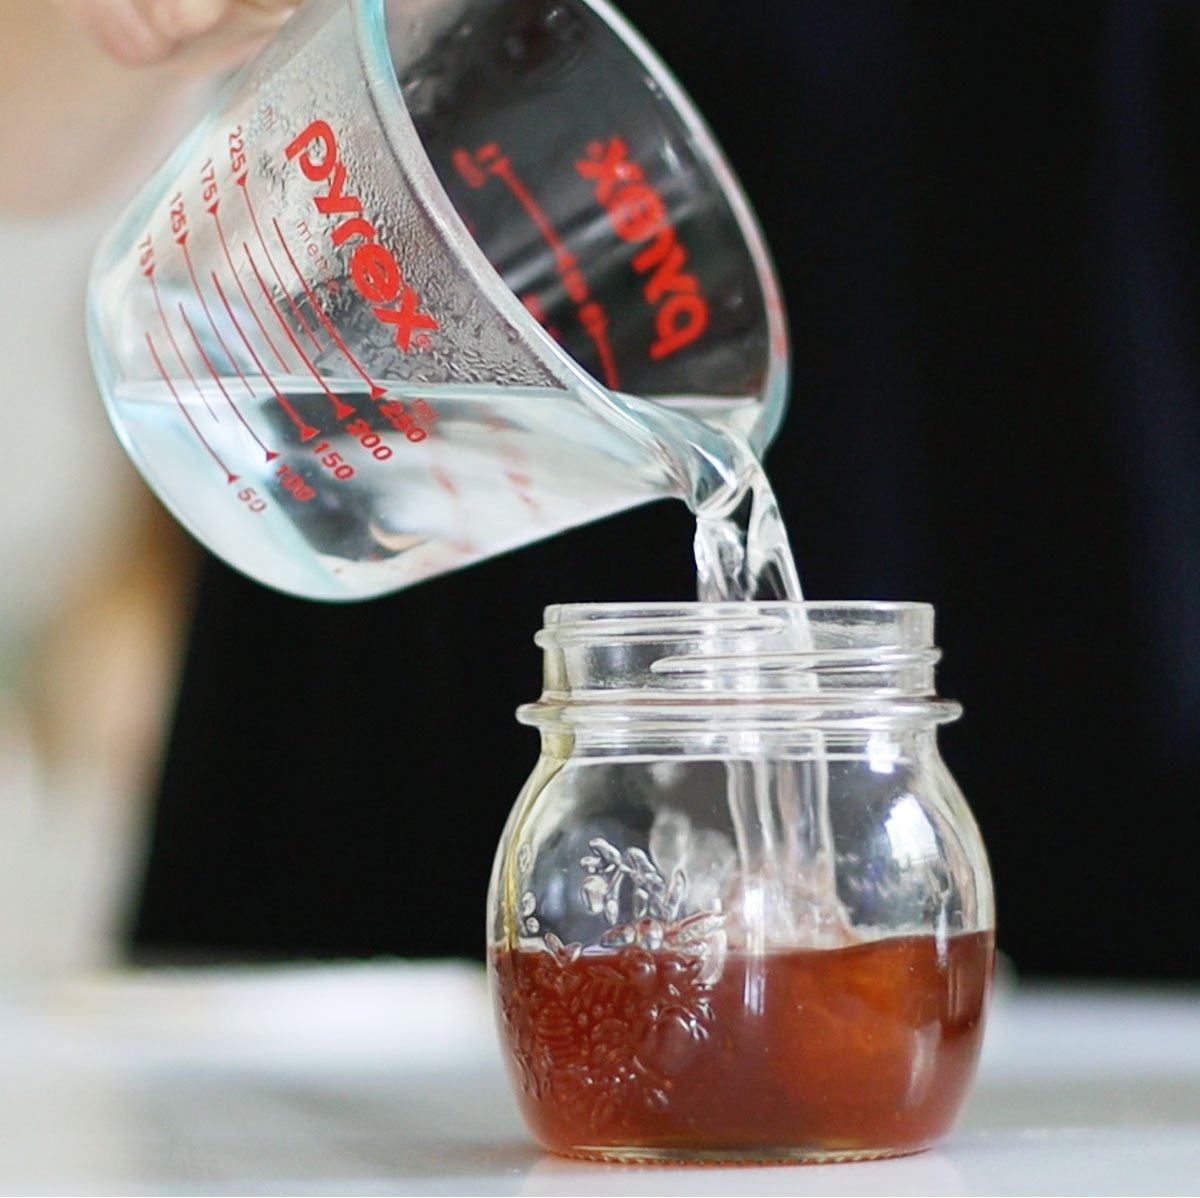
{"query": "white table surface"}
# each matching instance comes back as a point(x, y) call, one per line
point(386, 1079)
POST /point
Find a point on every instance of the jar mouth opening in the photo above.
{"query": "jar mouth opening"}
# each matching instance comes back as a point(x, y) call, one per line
point(569, 612)
point(814, 661)
point(809, 625)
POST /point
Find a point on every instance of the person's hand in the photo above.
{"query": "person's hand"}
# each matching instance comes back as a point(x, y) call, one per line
point(75, 115)
point(195, 35)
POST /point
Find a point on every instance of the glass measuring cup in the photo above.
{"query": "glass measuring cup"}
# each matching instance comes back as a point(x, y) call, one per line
point(436, 278)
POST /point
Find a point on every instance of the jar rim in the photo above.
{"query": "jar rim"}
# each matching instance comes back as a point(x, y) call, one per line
point(817, 661)
point(826, 623)
point(560, 612)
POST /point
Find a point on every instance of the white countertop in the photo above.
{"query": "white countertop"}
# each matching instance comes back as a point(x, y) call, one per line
point(386, 1079)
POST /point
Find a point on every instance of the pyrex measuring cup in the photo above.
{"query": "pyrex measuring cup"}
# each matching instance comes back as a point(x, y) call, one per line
point(435, 279)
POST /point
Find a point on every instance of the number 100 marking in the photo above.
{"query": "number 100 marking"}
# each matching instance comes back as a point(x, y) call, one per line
point(294, 483)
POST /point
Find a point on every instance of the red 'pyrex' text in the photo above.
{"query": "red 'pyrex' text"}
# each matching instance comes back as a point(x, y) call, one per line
point(637, 213)
point(374, 270)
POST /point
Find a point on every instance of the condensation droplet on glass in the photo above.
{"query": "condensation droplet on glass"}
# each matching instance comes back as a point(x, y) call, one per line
point(528, 903)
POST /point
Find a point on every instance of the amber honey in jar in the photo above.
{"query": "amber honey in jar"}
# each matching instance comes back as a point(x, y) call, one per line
point(741, 911)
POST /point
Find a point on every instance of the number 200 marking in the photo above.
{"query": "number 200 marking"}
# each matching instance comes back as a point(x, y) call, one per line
point(369, 440)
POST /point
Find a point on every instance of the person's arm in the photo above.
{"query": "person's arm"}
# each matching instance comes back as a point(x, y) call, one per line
point(74, 114)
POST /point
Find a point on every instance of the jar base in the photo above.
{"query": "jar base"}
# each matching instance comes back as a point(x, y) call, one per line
point(730, 1157)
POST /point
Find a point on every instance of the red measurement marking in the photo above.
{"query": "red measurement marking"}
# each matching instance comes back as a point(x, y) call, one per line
point(287, 295)
point(501, 167)
point(514, 458)
point(307, 432)
point(444, 481)
point(595, 324)
point(340, 407)
point(465, 165)
point(520, 481)
point(271, 454)
point(229, 474)
point(175, 346)
point(145, 249)
point(591, 314)
point(212, 324)
point(377, 392)
point(262, 328)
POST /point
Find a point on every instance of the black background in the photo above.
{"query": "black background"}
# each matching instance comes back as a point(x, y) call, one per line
point(985, 219)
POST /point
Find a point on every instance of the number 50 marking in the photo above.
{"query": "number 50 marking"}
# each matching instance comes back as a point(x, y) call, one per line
point(252, 499)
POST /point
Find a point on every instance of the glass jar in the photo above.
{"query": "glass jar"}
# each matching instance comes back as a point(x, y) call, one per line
point(741, 910)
